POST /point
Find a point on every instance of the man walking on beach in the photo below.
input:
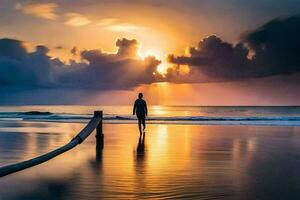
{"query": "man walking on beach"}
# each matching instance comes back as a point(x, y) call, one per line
point(141, 111)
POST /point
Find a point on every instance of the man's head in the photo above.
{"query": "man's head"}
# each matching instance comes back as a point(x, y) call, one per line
point(140, 95)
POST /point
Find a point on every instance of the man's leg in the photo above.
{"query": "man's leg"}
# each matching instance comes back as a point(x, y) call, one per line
point(140, 125)
point(144, 123)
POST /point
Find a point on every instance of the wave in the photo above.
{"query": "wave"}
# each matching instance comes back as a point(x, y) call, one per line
point(111, 118)
point(37, 113)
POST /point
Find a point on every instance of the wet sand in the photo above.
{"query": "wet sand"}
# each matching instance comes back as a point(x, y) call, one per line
point(174, 161)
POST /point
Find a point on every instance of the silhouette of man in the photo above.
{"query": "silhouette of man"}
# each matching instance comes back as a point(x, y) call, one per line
point(141, 111)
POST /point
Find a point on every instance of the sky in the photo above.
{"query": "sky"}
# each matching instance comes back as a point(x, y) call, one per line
point(177, 52)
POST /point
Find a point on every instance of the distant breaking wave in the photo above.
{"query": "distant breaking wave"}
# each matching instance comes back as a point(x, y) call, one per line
point(37, 113)
point(127, 119)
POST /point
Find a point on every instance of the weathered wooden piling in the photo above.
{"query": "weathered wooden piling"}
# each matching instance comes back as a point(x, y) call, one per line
point(99, 133)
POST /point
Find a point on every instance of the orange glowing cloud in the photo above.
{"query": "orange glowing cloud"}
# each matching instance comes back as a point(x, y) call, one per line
point(76, 19)
point(42, 10)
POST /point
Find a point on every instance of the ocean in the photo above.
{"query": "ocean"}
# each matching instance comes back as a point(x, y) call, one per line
point(187, 152)
point(214, 115)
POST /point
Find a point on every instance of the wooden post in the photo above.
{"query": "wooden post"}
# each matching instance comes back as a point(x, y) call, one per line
point(99, 134)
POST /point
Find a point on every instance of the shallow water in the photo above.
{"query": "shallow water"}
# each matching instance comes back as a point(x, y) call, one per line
point(176, 161)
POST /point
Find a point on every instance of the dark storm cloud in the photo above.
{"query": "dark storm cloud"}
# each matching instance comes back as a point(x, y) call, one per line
point(127, 48)
point(274, 47)
point(277, 46)
point(216, 58)
point(97, 70)
point(12, 49)
point(18, 67)
point(108, 71)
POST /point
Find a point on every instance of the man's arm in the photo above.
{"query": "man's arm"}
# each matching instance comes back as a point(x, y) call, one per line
point(146, 109)
point(134, 108)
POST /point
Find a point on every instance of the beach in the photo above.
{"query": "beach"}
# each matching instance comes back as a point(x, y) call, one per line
point(175, 161)
point(214, 84)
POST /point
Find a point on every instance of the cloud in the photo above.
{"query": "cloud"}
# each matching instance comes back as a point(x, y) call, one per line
point(74, 51)
point(98, 70)
point(106, 21)
point(216, 59)
point(123, 27)
point(76, 19)
point(42, 10)
point(122, 70)
point(274, 47)
point(113, 24)
point(127, 48)
point(18, 67)
point(47, 11)
point(59, 47)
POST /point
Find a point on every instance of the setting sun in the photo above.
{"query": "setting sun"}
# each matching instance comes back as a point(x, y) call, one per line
point(159, 54)
point(163, 68)
point(145, 52)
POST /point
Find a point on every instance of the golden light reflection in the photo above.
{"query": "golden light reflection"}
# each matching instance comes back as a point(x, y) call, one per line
point(251, 146)
point(162, 137)
point(168, 140)
point(159, 110)
point(175, 156)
